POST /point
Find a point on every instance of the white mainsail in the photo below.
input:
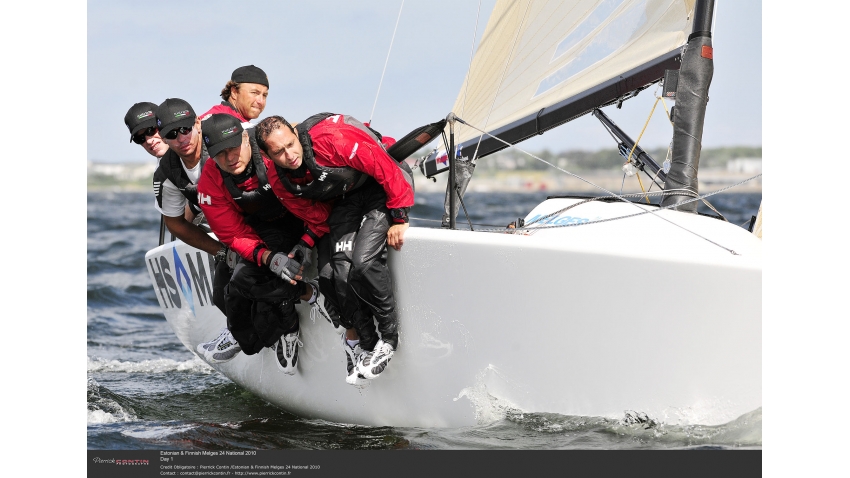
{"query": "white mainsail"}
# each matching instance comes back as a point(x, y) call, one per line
point(535, 53)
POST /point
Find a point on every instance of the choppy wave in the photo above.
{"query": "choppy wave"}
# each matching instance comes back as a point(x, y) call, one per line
point(157, 432)
point(104, 406)
point(673, 428)
point(194, 365)
point(639, 429)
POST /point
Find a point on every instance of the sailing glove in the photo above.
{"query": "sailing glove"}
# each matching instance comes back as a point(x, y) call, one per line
point(283, 266)
point(228, 255)
point(232, 258)
point(302, 254)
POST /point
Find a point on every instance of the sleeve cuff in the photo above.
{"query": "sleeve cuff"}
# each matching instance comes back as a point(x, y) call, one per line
point(258, 255)
point(310, 238)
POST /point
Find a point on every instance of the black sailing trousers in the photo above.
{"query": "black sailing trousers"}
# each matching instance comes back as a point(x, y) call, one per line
point(220, 279)
point(260, 306)
point(359, 223)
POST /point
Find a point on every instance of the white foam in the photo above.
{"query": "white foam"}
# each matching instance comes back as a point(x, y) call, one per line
point(157, 432)
point(488, 408)
point(705, 412)
point(197, 365)
point(100, 417)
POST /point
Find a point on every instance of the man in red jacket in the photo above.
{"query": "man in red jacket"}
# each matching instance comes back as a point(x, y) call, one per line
point(249, 211)
point(244, 98)
point(335, 157)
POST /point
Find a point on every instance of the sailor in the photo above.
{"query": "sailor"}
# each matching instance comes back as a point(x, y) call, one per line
point(175, 185)
point(337, 157)
point(141, 121)
point(249, 210)
point(244, 96)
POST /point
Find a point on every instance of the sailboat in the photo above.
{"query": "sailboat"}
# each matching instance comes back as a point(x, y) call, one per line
point(588, 306)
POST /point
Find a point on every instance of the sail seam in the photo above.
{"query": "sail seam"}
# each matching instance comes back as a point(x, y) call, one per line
point(471, 55)
point(502, 78)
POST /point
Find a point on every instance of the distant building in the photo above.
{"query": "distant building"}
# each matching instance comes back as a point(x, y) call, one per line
point(122, 171)
point(744, 165)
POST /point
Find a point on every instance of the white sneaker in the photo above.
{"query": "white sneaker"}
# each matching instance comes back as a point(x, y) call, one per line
point(371, 364)
point(221, 349)
point(352, 356)
point(317, 306)
point(286, 350)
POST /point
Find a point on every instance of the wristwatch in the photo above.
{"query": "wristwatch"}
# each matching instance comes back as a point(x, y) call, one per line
point(399, 215)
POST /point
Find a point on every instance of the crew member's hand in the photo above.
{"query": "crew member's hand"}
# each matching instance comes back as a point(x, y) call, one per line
point(285, 268)
point(395, 236)
point(232, 258)
point(302, 254)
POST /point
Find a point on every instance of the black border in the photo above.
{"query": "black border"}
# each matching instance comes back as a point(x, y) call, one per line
point(703, 462)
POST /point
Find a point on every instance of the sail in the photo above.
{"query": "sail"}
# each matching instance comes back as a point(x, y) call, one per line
point(536, 53)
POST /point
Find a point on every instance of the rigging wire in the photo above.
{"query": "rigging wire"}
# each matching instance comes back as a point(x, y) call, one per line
point(500, 229)
point(645, 211)
point(651, 112)
point(372, 114)
point(457, 188)
point(661, 208)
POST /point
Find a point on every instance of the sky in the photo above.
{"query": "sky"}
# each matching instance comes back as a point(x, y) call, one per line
point(330, 55)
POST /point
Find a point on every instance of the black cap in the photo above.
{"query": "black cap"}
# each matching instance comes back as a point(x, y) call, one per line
point(221, 131)
point(250, 74)
point(174, 113)
point(140, 116)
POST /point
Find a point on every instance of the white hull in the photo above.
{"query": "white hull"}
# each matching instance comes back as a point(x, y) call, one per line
point(635, 314)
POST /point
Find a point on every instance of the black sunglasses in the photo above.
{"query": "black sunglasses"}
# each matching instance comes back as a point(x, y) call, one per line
point(182, 130)
point(140, 137)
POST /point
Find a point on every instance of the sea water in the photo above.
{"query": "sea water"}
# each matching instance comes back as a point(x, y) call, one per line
point(145, 390)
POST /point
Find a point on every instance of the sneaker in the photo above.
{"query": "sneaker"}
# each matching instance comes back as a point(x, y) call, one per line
point(286, 350)
point(352, 356)
point(317, 303)
point(373, 363)
point(221, 349)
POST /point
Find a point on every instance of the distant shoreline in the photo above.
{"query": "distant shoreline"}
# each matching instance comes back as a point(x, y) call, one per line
point(510, 171)
point(514, 181)
point(612, 180)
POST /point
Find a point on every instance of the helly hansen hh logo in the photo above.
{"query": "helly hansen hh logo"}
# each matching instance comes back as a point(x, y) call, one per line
point(343, 246)
point(204, 199)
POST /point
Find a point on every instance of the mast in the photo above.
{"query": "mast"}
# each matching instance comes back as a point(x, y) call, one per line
point(695, 77)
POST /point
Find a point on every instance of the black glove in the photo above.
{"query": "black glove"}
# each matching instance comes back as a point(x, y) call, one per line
point(302, 254)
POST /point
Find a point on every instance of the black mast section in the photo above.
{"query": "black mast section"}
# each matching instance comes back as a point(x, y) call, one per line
point(695, 77)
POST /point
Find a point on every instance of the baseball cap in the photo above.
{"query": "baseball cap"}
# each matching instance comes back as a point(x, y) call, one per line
point(250, 74)
point(140, 116)
point(174, 113)
point(221, 131)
